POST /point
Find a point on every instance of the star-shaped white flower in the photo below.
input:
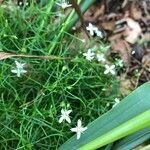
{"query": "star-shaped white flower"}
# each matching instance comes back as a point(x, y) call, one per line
point(65, 116)
point(119, 62)
point(89, 54)
point(79, 129)
point(100, 57)
point(91, 28)
point(117, 101)
point(109, 69)
point(19, 69)
point(64, 5)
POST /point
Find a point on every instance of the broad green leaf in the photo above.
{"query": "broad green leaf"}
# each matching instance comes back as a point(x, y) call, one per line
point(133, 105)
point(139, 122)
point(132, 140)
point(109, 146)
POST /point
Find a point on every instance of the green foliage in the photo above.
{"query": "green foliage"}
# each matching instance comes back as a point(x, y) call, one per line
point(131, 141)
point(131, 115)
point(30, 105)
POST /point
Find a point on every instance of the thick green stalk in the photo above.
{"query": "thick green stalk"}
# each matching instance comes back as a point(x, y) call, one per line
point(63, 29)
point(84, 6)
point(70, 21)
point(139, 122)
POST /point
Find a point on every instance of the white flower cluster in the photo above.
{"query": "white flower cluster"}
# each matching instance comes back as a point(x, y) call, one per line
point(90, 55)
point(94, 30)
point(78, 129)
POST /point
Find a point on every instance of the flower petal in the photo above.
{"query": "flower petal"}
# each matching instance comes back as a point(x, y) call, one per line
point(17, 63)
point(112, 72)
point(107, 67)
point(79, 123)
point(78, 135)
point(14, 71)
point(112, 66)
point(68, 119)
point(23, 71)
point(73, 129)
point(61, 119)
point(106, 71)
point(83, 129)
point(68, 112)
point(18, 74)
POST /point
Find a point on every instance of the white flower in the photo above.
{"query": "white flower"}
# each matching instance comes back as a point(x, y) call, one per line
point(89, 54)
point(109, 69)
point(91, 28)
point(64, 5)
point(20, 3)
point(100, 57)
point(79, 129)
point(117, 101)
point(119, 62)
point(65, 116)
point(19, 69)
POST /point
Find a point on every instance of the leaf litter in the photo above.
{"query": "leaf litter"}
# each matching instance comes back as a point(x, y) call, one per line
point(126, 23)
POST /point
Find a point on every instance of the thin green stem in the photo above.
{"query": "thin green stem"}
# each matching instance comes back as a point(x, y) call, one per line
point(70, 21)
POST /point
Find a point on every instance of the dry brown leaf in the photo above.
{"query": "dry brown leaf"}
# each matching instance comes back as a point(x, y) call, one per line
point(132, 31)
point(115, 37)
point(135, 12)
point(1, 1)
point(146, 60)
point(93, 13)
point(125, 86)
point(146, 36)
point(122, 47)
point(100, 11)
point(109, 25)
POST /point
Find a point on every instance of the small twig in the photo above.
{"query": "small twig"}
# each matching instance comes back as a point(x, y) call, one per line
point(5, 55)
point(139, 63)
point(78, 10)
